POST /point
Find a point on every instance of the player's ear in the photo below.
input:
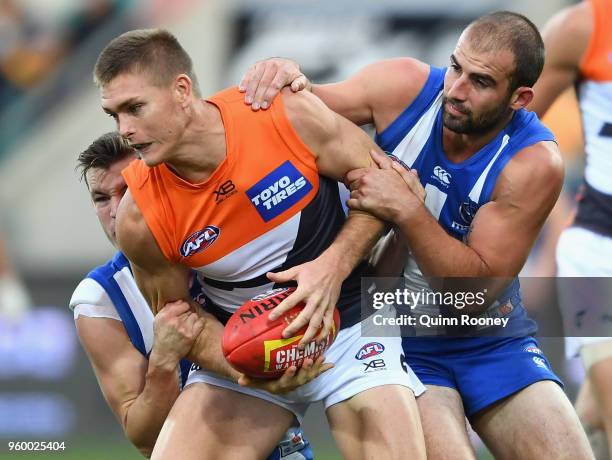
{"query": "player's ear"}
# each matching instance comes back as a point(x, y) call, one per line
point(183, 88)
point(521, 97)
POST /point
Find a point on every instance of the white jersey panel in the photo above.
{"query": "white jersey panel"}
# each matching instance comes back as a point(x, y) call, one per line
point(139, 306)
point(411, 145)
point(90, 299)
point(596, 108)
point(89, 292)
point(96, 311)
point(270, 250)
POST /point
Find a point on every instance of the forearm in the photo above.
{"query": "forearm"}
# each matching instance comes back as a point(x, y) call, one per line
point(448, 263)
point(357, 237)
point(207, 351)
point(438, 254)
point(144, 418)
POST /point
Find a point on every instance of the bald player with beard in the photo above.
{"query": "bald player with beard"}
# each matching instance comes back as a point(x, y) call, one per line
point(492, 173)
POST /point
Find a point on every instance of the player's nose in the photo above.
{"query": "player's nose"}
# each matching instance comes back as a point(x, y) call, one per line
point(458, 89)
point(114, 205)
point(125, 127)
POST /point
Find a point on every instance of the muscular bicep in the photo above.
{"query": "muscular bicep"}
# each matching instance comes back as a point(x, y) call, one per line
point(347, 98)
point(119, 367)
point(378, 93)
point(504, 229)
point(502, 238)
point(159, 280)
point(338, 145)
point(349, 148)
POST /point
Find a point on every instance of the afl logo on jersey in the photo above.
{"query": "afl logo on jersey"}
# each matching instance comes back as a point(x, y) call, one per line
point(278, 191)
point(200, 240)
point(370, 349)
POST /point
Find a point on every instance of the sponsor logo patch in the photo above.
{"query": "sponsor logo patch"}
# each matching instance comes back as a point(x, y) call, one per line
point(225, 190)
point(540, 362)
point(442, 175)
point(200, 240)
point(533, 349)
point(278, 191)
point(194, 368)
point(270, 293)
point(375, 365)
point(506, 309)
point(294, 444)
point(460, 227)
point(467, 211)
point(370, 349)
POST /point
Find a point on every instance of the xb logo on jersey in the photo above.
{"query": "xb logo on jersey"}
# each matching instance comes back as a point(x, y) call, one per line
point(225, 190)
point(375, 365)
point(442, 175)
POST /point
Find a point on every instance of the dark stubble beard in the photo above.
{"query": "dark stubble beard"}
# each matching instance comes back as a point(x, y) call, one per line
point(468, 124)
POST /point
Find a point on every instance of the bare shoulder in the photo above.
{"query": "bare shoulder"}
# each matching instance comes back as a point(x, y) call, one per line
point(543, 159)
point(567, 34)
point(395, 81)
point(536, 172)
point(134, 237)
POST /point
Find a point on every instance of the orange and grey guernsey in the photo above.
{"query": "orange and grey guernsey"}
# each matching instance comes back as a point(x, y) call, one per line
point(265, 208)
point(595, 97)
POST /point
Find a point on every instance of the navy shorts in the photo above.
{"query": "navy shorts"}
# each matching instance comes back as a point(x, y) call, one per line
point(483, 370)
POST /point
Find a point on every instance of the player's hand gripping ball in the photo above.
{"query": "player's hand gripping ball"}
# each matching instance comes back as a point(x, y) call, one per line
point(254, 345)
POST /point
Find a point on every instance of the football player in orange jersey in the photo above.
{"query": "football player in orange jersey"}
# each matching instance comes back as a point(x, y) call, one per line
point(134, 355)
point(179, 213)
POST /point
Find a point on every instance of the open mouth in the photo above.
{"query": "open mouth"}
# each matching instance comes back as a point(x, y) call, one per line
point(141, 147)
point(454, 109)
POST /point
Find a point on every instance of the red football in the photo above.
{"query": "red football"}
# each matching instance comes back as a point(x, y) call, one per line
point(254, 345)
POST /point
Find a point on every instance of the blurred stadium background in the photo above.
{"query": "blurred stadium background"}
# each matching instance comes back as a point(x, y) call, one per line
point(49, 112)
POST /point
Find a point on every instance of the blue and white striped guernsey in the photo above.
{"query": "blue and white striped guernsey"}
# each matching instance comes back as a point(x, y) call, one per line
point(455, 191)
point(115, 281)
